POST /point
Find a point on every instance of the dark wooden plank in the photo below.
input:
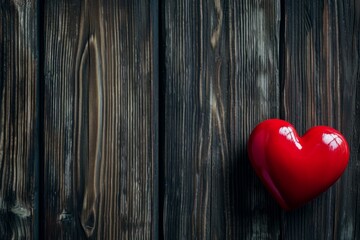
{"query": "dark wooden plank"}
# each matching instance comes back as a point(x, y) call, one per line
point(62, 38)
point(320, 78)
point(220, 79)
point(98, 120)
point(347, 208)
point(18, 105)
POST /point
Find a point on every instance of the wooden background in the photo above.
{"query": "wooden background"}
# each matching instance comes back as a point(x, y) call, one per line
point(129, 119)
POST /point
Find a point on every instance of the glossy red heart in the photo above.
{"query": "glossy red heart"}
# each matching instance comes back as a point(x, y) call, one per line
point(296, 169)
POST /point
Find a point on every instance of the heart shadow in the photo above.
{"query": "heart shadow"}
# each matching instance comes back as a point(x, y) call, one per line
point(252, 206)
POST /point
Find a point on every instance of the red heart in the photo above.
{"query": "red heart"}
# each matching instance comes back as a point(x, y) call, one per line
point(296, 169)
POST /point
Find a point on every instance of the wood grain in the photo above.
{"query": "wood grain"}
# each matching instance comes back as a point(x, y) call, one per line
point(79, 97)
point(319, 87)
point(18, 119)
point(220, 78)
point(98, 120)
point(347, 209)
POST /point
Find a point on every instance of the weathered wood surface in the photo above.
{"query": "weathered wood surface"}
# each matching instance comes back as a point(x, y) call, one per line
point(214, 96)
point(98, 120)
point(320, 84)
point(80, 125)
point(221, 78)
point(18, 119)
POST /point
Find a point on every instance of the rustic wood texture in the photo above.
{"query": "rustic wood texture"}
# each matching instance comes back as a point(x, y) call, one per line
point(98, 120)
point(320, 83)
point(85, 117)
point(347, 209)
point(18, 114)
point(220, 78)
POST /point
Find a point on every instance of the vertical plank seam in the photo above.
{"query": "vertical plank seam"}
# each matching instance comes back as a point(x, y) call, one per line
point(155, 19)
point(282, 68)
point(161, 115)
point(39, 167)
